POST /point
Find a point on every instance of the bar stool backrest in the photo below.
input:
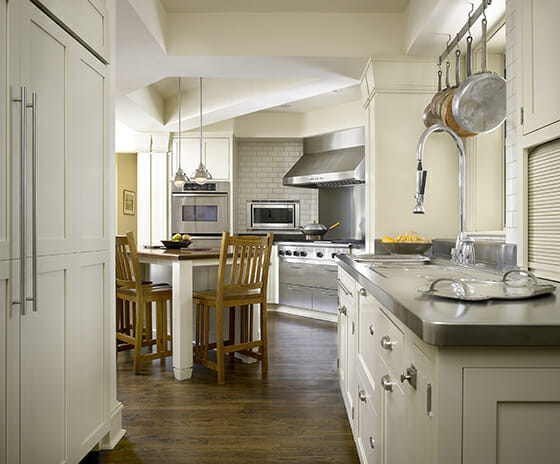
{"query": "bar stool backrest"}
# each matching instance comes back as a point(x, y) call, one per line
point(249, 268)
point(127, 266)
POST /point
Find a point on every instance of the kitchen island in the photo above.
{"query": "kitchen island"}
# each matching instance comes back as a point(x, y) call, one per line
point(182, 261)
point(433, 380)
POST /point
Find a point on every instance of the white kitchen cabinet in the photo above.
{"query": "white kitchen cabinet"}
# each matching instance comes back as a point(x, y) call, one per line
point(347, 342)
point(153, 198)
point(540, 66)
point(4, 165)
point(55, 370)
point(420, 423)
point(506, 420)
point(216, 155)
point(425, 404)
point(369, 439)
point(86, 18)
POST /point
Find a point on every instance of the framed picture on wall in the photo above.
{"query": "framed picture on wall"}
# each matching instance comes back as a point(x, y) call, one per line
point(129, 202)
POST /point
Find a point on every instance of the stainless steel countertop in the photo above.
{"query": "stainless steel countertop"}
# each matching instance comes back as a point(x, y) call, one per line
point(444, 322)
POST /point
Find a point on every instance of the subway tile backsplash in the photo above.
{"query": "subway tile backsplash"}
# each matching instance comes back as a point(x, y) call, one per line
point(260, 168)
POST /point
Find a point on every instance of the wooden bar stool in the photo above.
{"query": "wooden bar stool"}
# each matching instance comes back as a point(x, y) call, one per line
point(134, 307)
point(244, 286)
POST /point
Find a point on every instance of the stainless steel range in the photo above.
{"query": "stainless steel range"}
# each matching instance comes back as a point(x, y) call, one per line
point(308, 274)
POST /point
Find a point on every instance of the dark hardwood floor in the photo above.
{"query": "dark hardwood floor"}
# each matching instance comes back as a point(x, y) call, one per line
point(295, 414)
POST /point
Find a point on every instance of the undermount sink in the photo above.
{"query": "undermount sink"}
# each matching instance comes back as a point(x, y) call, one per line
point(392, 260)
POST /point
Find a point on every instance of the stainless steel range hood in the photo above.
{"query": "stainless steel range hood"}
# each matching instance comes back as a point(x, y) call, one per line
point(330, 160)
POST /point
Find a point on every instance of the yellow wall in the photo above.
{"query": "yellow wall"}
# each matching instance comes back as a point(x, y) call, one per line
point(125, 180)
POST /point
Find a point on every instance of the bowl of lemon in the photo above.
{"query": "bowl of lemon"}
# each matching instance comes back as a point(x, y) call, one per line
point(407, 244)
point(178, 241)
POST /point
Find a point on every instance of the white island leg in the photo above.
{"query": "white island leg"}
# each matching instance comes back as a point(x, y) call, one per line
point(182, 319)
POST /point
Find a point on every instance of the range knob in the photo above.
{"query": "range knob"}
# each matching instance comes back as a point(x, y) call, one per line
point(296, 253)
point(333, 255)
point(303, 253)
point(281, 252)
point(288, 253)
point(319, 254)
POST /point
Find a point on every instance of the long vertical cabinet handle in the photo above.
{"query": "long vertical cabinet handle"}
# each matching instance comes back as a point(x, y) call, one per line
point(34, 158)
point(23, 196)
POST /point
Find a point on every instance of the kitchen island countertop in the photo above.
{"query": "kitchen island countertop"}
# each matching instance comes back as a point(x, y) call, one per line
point(445, 322)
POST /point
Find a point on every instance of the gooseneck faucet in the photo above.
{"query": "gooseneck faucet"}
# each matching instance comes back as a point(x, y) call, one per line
point(464, 246)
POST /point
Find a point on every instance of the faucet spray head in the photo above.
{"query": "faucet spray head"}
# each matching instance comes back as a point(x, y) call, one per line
point(421, 177)
point(419, 208)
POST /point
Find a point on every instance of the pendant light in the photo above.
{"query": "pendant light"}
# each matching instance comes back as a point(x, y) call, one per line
point(201, 174)
point(180, 178)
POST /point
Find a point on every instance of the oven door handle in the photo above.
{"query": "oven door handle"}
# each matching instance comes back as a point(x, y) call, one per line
point(201, 195)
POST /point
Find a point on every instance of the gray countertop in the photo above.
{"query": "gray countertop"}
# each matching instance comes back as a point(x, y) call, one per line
point(445, 322)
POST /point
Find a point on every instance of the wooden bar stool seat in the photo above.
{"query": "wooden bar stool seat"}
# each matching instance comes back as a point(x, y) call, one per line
point(134, 307)
point(241, 289)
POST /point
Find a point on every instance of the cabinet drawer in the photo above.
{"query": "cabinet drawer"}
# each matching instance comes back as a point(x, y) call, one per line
point(296, 295)
point(369, 423)
point(325, 276)
point(368, 337)
point(390, 343)
point(346, 284)
point(297, 274)
point(325, 299)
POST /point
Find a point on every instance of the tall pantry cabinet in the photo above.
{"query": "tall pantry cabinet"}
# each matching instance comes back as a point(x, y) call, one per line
point(55, 221)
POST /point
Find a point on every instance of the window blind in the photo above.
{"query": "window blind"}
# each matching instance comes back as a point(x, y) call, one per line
point(544, 210)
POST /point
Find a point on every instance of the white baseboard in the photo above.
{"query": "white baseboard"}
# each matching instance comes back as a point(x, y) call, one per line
point(116, 433)
point(329, 317)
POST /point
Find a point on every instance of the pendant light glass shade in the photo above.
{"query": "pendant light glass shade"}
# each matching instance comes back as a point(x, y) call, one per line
point(180, 177)
point(201, 174)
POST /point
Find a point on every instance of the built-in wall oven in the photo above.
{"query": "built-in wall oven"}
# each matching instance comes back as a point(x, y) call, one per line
point(272, 214)
point(201, 210)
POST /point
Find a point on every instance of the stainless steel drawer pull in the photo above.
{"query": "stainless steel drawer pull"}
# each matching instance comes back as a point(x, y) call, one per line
point(363, 396)
point(295, 289)
point(342, 310)
point(371, 330)
point(386, 383)
point(343, 287)
point(429, 399)
point(372, 442)
point(363, 292)
point(387, 343)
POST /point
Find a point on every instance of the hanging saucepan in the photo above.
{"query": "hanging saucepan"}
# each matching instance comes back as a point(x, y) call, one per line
point(439, 97)
point(446, 110)
point(315, 231)
point(428, 116)
point(479, 104)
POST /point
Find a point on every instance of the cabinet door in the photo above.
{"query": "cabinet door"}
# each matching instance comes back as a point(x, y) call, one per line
point(88, 353)
point(541, 67)
point(43, 425)
point(351, 362)
point(4, 165)
point(420, 409)
point(44, 54)
point(5, 306)
point(86, 18)
point(511, 415)
point(216, 155)
point(343, 354)
point(393, 417)
point(87, 93)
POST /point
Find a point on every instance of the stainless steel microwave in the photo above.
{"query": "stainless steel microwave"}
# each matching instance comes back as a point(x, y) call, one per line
point(273, 214)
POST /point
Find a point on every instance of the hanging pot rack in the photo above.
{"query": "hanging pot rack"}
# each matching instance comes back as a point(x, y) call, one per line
point(473, 16)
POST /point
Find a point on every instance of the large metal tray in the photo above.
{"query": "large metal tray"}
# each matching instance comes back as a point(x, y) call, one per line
point(503, 289)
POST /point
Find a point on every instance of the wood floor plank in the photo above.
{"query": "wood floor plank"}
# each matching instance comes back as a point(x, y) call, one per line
point(294, 414)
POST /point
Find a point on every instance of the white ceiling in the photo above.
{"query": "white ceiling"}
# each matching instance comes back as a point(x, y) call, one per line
point(151, 44)
point(276, 6)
